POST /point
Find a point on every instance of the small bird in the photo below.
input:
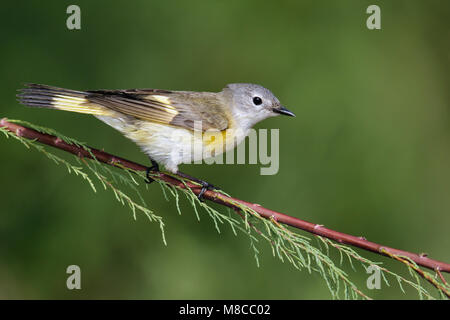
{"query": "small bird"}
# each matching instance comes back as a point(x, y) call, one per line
point(166, 124)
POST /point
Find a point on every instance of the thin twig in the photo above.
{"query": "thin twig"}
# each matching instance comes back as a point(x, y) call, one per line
point(225, 200)
point(441, 277)
point(419, 271)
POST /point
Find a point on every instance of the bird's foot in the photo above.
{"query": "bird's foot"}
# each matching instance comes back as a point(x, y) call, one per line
point(153, 168)
point(205, 185)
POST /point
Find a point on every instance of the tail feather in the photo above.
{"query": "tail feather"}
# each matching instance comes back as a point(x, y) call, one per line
point(43, 96)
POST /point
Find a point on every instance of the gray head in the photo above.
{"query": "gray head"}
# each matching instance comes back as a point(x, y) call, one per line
point(252, 103)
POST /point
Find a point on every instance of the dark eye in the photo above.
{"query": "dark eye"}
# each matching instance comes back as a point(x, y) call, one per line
point(257, 101)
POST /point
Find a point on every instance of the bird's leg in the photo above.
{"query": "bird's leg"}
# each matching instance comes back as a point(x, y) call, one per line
point(154, 167)
point(205, 185)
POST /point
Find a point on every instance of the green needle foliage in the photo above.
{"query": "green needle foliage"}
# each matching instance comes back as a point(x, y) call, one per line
point(286, 244)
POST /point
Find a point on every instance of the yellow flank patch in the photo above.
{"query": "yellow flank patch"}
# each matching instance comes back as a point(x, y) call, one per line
point(139, 136)
point(213, 138)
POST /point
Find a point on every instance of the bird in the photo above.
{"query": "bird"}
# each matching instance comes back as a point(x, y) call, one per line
point(166, 124)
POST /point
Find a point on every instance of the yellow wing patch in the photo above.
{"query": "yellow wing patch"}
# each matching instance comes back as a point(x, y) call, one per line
point(175, 108)
point(163, 99)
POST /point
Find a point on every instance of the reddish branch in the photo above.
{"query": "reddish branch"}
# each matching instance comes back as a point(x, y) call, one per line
point(317, 229)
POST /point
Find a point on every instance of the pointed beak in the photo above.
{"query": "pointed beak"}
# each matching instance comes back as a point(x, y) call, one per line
point(283, 110)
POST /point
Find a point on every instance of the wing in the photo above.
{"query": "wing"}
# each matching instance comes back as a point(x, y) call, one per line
point(177, 108)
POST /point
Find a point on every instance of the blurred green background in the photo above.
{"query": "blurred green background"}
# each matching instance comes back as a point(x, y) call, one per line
point(368, 153)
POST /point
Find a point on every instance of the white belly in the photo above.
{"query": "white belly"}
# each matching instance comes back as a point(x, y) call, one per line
point(171, 146)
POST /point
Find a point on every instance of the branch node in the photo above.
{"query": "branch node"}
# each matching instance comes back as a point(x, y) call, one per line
point(19, 132)
point(114, 161)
